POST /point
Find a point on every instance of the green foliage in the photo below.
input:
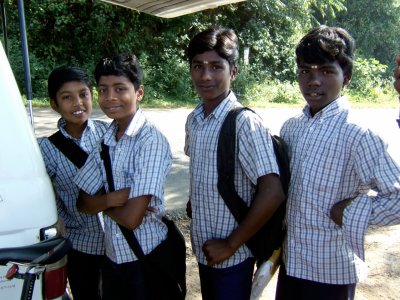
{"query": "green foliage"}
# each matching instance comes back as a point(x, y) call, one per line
point(375, 27)
point(368, 76)
point(80, 32)
point(255, 91)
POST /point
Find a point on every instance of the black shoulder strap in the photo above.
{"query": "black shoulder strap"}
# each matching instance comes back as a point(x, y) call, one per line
point(128, 234)
point(226, 159)
point(70, 150)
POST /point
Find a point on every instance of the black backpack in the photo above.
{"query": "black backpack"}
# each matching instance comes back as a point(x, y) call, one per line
point(270, 236)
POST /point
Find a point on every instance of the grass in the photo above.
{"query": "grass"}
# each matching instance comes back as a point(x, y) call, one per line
point(288, 97)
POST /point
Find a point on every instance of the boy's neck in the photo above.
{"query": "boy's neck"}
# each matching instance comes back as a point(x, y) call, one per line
point(75, 130)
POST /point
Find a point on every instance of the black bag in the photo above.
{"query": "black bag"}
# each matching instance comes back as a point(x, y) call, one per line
point(165, 266)
point(270, 236)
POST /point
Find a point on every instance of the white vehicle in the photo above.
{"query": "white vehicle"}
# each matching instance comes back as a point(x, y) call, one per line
point(32, 253)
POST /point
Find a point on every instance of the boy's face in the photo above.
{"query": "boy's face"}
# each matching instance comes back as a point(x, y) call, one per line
point(118, 98)
point(320, 84)
point(73, 102)
point(211, 76)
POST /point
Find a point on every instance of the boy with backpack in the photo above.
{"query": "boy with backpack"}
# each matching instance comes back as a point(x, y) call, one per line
point(70, 91)
point(140, 158)
point(226, 264)
point(335, 164)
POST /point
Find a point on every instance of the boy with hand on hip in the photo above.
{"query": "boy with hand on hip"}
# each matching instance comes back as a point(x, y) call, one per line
point(140, 160)
point(70, 92)
point(335, 163)
point(397, 80)
point(397, 74)
point(226, 265)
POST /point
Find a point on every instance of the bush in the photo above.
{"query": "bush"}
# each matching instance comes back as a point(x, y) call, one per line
point(254, 91)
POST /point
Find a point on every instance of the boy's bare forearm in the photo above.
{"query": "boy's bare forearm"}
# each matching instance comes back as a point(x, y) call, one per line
point(93, 204)
point(131, 214)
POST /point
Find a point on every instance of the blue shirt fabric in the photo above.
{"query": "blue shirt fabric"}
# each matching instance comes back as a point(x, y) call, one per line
point(84, 231)
point(140, 160)
point(332, 159)
point(211, 218)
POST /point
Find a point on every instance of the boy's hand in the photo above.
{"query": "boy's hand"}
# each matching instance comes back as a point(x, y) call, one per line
point(216, 251)
point(150, 210)
point(338, 209)
point(397, 74)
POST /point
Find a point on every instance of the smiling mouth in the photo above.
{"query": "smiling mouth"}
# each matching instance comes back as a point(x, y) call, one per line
point(314, 94)
point(111, 108)
point(78, 112)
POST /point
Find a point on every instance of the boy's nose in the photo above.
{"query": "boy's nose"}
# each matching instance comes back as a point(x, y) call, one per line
point(205, 74)
point(78, 101)
point(314, 79)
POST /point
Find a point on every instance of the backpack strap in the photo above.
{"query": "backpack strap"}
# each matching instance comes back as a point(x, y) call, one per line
point(128, 234)
point(226, 159)
point(69, 148)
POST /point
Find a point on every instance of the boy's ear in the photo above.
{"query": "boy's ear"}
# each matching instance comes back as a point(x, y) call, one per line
point(140, 93)
point(53, 104)
point(234, 72)
point(346, 79)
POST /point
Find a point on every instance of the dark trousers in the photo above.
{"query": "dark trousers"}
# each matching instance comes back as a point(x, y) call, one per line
point(123, 281)
point(84, 275)
point(233, 283)
point(292, 288)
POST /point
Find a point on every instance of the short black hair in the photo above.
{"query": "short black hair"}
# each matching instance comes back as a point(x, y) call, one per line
point(327, 44)
point(64, 74)
point(224, 41)
point(126, 65)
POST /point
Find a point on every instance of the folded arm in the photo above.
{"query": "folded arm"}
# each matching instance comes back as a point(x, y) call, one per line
point(92, 204)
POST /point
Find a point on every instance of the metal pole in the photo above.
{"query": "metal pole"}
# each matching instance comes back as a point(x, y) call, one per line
point(4, 26)
point(25, 57)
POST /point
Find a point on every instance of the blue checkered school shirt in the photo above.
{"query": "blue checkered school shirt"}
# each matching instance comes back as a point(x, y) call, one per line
point(140, 160)
point(84, 231)
point(211, 218)
point(332, 159)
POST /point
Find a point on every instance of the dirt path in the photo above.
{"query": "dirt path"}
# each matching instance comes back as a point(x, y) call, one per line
point(382, 256)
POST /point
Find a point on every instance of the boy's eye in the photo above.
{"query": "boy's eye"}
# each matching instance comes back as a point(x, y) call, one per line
point(66, 97)
point(303, 71)
point(101, 90)
point(85, 95)
point(196, 67)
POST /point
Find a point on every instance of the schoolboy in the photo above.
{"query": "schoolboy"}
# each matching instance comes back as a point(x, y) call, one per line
point(397, 74)
point(225, 264)
point(397, 80)
point(140, 158)
point(335, 163)
point(70, 91)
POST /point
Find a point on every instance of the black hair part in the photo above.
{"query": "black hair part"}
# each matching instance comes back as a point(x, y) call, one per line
point(64, 74)
point(327, 44)
point(224, 41)
point(126, 65)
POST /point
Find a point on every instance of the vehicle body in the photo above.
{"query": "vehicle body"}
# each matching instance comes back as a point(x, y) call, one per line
point(28, 213)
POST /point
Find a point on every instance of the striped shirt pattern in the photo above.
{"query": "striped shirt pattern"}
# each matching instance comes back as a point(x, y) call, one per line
point(211, 218)
point(333, 159)
point(140, 160)
point(84, 231)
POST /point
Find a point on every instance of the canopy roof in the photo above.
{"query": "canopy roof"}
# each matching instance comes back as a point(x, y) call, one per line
point(170, 8)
